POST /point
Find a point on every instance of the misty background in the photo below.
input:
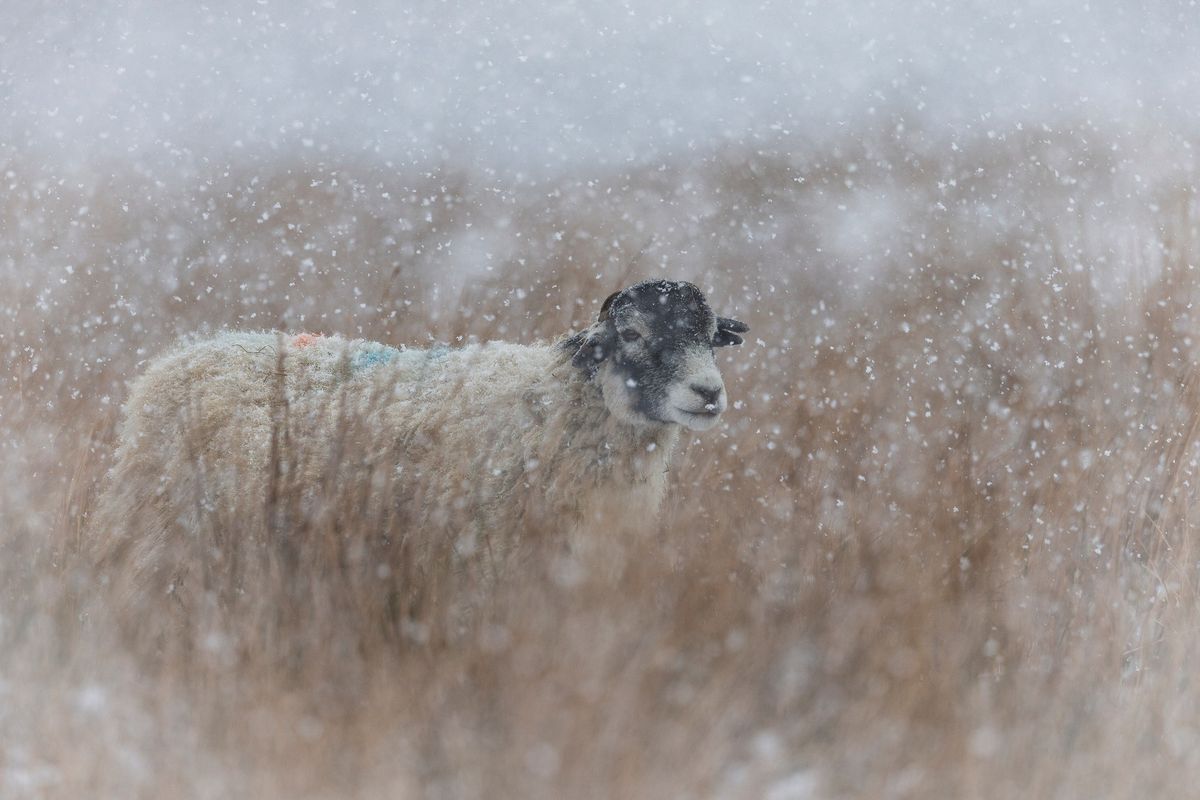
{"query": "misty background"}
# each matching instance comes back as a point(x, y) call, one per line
point(533, 87)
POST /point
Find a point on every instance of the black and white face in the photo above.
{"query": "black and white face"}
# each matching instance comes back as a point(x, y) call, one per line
point(651, 352)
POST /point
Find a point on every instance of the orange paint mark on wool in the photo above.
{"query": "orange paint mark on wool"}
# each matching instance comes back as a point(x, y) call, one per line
point(305, 339)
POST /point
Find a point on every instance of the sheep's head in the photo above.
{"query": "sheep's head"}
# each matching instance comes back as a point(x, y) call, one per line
point(651, 352)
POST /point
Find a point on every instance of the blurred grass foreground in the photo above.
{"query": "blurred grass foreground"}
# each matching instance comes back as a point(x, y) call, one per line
point(941, 545)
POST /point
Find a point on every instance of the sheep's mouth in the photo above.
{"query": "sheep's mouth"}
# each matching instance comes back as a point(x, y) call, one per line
point(704, 413)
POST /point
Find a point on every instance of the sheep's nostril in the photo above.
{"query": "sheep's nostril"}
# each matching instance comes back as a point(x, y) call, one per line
point(710, 395)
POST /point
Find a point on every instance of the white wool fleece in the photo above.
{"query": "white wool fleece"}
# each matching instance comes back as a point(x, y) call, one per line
point(487, 440)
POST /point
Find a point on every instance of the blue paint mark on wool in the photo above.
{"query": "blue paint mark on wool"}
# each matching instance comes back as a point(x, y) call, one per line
point(373, 356)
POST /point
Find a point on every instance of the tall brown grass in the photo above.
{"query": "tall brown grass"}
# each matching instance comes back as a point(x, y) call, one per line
point(942, 547)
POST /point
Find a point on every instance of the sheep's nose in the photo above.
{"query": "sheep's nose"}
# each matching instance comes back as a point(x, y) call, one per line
point(710, 394)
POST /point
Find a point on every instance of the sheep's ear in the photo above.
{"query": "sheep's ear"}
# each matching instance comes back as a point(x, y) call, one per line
point(727, 332)
point(608, 301)
point(590, 353)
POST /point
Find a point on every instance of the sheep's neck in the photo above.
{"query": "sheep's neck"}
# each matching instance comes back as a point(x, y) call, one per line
point(625, 455)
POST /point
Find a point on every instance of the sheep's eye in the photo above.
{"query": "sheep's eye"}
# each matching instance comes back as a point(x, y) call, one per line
point(630, 335)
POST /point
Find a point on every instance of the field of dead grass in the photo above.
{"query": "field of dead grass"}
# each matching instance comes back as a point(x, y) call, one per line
point(941, 546)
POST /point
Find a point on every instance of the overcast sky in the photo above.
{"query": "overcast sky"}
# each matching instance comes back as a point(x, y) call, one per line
point(533, 85)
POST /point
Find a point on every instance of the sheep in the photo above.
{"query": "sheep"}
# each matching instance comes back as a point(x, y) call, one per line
point(485, 441)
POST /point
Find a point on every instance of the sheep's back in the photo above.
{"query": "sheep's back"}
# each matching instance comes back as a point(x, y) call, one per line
point(206, 419)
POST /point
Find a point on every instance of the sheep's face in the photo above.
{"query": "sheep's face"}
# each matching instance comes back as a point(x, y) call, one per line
point(651, 352)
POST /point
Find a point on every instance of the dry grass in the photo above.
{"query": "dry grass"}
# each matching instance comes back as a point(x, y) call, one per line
point(941, 548)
